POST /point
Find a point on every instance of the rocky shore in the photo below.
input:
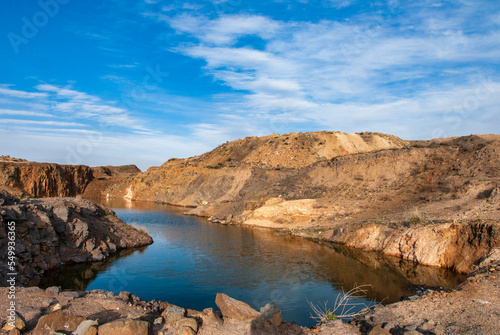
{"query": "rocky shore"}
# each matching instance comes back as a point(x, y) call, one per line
point(471, 308)
point(52, 232)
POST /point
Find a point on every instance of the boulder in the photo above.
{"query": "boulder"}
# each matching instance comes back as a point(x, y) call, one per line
point(30, 315)
point(210, 317)
point(124, 327)
point(18, 323)
point(87, 327)
point(378, 330)
point(185, 325)
point(272, 313)
point(173, 314)
point(56, 322)
point(235, 309)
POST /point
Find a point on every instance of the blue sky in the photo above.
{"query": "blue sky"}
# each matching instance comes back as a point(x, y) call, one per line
point(141, 81)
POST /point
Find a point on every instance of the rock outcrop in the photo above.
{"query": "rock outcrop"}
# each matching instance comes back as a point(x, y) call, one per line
point(43, 179)
point(449, 245)
point(55, 231)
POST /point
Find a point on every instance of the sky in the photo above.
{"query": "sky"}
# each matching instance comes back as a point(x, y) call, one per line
point(114, 82)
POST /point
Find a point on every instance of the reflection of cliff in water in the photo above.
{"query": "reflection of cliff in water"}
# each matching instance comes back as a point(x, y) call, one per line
point(243, 257)
point(245, 249)
point(390, 277)
point(79, 276)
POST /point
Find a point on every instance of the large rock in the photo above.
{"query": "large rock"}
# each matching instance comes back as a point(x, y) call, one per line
point(18, 323)
point(272, 313)
point(87, 327)
point(235, 309)
point(61, 230)
point(57, 322)
point(173, 314)
point(124, 327)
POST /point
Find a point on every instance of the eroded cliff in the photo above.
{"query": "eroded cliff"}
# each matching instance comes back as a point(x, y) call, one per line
point(39, 180)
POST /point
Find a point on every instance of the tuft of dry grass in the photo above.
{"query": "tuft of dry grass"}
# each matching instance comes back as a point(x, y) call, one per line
point(415, 217)
point(343, 307)
point(142, 230)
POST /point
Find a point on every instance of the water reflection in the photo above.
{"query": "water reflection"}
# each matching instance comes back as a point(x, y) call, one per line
point(79, 276)
point(192, 260)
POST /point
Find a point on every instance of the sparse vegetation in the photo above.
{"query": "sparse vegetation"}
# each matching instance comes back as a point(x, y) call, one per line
point(140, 229)
point(415, 217)
point(344, 307)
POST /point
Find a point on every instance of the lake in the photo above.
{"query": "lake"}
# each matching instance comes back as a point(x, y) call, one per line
point(192, 260)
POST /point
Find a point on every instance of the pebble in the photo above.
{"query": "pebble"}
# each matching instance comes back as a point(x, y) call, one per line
point(57, 307)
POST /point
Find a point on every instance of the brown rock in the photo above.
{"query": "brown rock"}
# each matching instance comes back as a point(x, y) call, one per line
point(87, 327)
point(272, 313)
point(18, 323)
point(173, 313)
point(378, 330)
point(235, 309)
point(124, 327)
point(57, 321)
point(209, 317)
point(184, 325)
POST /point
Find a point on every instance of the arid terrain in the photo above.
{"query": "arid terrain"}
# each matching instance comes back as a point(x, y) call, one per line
point(433, 202)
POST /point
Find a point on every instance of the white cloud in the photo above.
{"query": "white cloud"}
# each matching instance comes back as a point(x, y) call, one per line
point(7, 122)
point(23, 113)
point(349, 74)
point(21, 94)
point(84, 106)
point(226, 29)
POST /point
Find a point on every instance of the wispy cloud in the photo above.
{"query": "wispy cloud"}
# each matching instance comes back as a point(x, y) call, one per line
point(84, 106)
point(5, 91)
point(350, 74)
point(23, 113)
point(45, 123)
point(226, 29)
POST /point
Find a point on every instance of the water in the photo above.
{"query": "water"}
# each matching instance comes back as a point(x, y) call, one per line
point(192, 260)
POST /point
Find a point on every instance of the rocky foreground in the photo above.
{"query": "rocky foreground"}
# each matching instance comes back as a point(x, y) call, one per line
point(52, 232)
point(471, 308)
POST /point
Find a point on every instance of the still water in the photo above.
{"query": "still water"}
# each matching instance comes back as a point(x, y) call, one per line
point(192, 260)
